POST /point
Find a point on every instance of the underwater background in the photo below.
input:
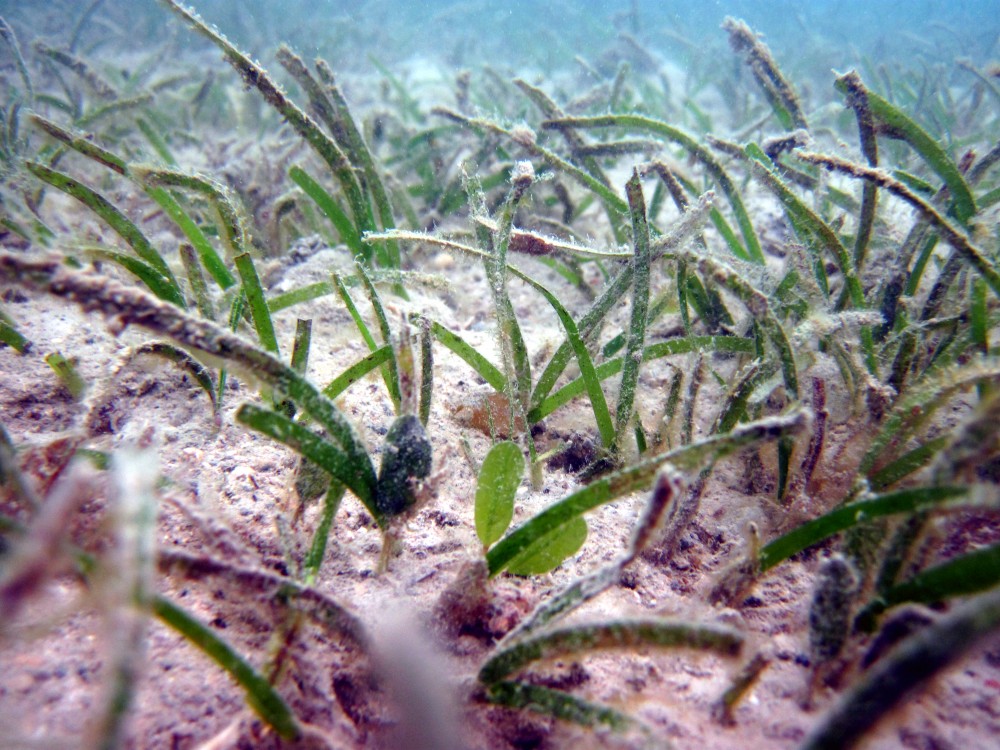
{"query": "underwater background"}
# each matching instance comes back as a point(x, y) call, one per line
point(812, 36)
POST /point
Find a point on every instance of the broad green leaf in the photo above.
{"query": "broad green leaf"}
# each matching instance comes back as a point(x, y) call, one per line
point(551, 550)
point(499, 478)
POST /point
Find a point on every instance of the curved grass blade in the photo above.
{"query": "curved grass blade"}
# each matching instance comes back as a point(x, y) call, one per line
point(687, 345)
point(897, 124)
point(358, 370)
point(258, 305)
point(320, 451)
point(556, 703)
point(777, 90)
point(261, 696)
point(148, 275)
point(846, 516)
point(486, 369)
point(907, 668)
point(256, 77)
point(326, 203)
point(354, 143)
point(636, 477)
point(972, 254)
point(620, 634)
point(134, 307)
point(696, 150)
point(969, 574)
point(186, 362)
point(109, 213)
point(206, 253)
point(231, 219)
point(592, 383)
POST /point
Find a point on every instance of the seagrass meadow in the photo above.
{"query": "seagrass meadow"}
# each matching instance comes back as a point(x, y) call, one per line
point(463, 375)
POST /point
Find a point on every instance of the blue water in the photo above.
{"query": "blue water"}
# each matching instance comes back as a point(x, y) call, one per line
point(526, 34)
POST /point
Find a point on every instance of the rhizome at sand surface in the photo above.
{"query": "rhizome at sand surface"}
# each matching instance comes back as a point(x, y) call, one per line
point(636, 401)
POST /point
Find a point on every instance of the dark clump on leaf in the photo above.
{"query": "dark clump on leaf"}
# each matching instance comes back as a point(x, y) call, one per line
point(406, 460)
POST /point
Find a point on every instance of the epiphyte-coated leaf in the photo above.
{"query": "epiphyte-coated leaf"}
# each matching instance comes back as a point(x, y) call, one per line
point(621, 634)
point(499, 478)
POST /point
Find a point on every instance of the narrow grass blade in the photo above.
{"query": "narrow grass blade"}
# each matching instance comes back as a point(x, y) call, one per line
point(148, 275)
point(663, 506)
point(326, 203)
point(485, 369)
point(353, 310)
point(846, 516)
point(10, 336)
point(7, 34)
point(804, 217)
point(317, 550)
point(954, 237)
point(198, 372)
point(108, 212)
point(494, 241)
point(209, 257)
point(256, 77)
point(258, 305)
point(499, 477)
point(556, 703)
point(971, 573)
point(392, 375)
point(134, 307)
point(908, 463)
point(633, 357)
point(588, 373)
point(634, 478)
point(157, 141)
point(196, 280)
point(696, 150)
point(80, 143)
point(357, 149)
point(621, 634)
point(900, 125)
point(67, 373)
point(232, 220)
point(358, 370)
point(261, 696)
point(426, 372)
point(305, 293)
point(730, 344)
point(777, 90)
point(314, 447)
point(904, 670)
point(300, 349)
